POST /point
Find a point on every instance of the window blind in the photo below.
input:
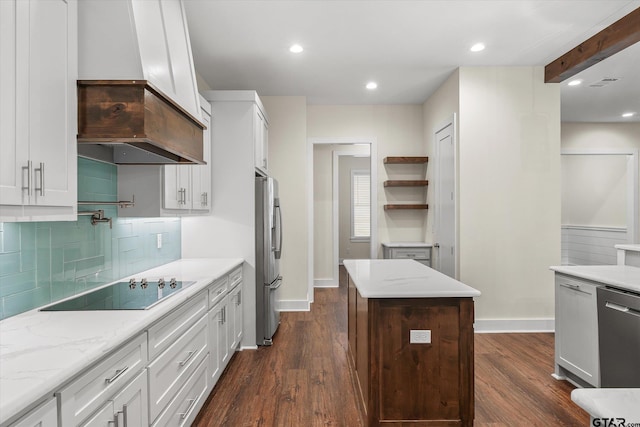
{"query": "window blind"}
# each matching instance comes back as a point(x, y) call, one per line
point(360, 204)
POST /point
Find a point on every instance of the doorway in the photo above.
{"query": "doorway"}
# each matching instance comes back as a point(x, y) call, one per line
point(323, 205)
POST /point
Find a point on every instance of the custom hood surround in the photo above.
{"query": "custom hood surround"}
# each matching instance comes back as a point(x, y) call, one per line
point(138, 100)
point(138, 123)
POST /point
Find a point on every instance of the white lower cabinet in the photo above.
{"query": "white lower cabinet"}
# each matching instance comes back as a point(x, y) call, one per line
point(183, 409)
point(163, 376)
point(95, 388)
point(45, 415)
point(172, 368)
point(127, 408)
point(576, 336)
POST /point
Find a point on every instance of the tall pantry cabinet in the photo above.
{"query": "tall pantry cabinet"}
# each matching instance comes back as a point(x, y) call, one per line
point(38, 112)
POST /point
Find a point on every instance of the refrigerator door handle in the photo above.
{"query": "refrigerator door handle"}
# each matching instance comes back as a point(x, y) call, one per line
point(276, 284)
point(278, 214)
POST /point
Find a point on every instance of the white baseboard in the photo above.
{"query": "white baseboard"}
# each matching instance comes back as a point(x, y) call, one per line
point(248, 347)
point(325, 283)
point(514, 325)
point(294, 305)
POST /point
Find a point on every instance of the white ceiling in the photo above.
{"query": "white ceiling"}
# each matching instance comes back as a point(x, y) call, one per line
point(408, 47)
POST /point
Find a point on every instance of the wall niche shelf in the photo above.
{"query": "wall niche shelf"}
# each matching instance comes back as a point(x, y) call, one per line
point(406, 160)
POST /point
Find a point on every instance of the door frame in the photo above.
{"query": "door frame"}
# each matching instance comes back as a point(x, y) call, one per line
point(633, 202)
point(373, 156)
point(451, 121)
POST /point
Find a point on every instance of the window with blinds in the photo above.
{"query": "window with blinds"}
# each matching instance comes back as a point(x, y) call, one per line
point(360, 205)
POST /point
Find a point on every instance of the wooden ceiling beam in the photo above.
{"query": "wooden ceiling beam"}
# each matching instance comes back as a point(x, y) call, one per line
point(616, 37)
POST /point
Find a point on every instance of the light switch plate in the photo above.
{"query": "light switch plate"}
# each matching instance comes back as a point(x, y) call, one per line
point(159, 240)
point(420, 336)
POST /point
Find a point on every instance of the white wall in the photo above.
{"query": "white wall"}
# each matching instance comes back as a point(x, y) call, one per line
point(438, 108)
point(398, 131)
point(346, 248)
point(287, 163)
point(509, 198)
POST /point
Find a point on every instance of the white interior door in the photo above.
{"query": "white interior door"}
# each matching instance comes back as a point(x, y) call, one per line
point(445, 209)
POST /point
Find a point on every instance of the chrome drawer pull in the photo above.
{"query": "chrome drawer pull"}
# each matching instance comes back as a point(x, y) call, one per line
point(117, 374)
point(184, 414)
point(190, 355)
point(622, 309)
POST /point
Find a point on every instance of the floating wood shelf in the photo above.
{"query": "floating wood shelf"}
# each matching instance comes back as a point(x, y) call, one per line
point(405, 160)
point(406, 183)
point(405, 206)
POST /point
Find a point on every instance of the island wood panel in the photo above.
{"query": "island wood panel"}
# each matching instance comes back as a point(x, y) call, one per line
point(351, 320)
point(403, 384)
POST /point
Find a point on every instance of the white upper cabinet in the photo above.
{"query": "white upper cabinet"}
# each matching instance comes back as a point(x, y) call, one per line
point(139, 40)
point(38, 110)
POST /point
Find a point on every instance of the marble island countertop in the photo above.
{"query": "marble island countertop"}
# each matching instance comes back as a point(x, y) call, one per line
point(619, 276)
point(40, 351)
point(609, 402)
point(403, 278)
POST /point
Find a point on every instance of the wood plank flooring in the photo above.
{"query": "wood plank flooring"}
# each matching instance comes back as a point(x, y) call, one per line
point(303, 379)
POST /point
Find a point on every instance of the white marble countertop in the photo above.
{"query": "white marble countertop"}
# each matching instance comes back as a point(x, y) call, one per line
point(403, 278)
point(42, 350)
point(634, 248)
point(407, 245)
point(609, 402)
point(619, 276)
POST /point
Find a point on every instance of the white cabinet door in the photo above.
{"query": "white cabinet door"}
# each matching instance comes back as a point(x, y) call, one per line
point(38, 73)
point(131, 403)
point(261, 138)
point(201, 174)
point(104, 417)
point(235, 306)
point(177, 187)
point(13, 66)
point(577, 328)
point(45, 415)
point(215, 350)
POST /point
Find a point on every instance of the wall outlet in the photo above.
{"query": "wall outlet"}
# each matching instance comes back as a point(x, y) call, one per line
point(159, 241)
point(420, 336)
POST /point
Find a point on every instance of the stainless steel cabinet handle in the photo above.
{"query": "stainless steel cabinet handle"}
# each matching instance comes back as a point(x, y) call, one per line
point(221, 316)
point(125, 415)
point(239, 300)
point(622, 308)
point(184, 414)
point(116, 375)
point(28, 169)
point(189, 356)
point(574, 288)
point(41, 171)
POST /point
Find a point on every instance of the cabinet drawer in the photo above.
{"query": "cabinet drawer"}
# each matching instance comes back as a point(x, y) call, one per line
point(96, 386)
point(185, 406)
point(411, 253)
point(171, 327)
point(235, 277)
point(218, 290)
point(172, 368)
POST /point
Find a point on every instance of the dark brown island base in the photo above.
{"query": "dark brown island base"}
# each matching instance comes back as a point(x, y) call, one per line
point(410, 344)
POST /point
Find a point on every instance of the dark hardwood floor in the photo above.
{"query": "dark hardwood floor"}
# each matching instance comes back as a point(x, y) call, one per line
point(303, 379)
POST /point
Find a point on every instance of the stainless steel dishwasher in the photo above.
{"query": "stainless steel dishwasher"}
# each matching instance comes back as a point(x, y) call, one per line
point(619, 337)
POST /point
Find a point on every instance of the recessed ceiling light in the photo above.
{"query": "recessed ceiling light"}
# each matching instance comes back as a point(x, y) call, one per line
point(372, 85)
point(575, 82)
point(477, 47)
point(629, 114)
point(296, 48)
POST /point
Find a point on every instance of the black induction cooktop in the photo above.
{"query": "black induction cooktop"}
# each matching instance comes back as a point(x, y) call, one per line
point(132, 295)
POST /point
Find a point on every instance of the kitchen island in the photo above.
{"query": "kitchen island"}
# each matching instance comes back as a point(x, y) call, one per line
point(410, 331)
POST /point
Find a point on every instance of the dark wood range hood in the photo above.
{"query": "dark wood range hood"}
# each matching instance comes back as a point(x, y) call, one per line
point(132, 122)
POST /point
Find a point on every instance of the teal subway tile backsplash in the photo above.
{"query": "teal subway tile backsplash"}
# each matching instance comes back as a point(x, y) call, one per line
point(42, 262)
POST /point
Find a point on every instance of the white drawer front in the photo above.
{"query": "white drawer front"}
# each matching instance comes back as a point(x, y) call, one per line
point(172, 368)
point(171, 327)
point(217, 290)
point(95, 387)
point(185, 406)
point(235, 277)
point(410, 253)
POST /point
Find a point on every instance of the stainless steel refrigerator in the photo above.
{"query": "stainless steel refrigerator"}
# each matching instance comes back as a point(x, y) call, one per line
point(268, 252)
